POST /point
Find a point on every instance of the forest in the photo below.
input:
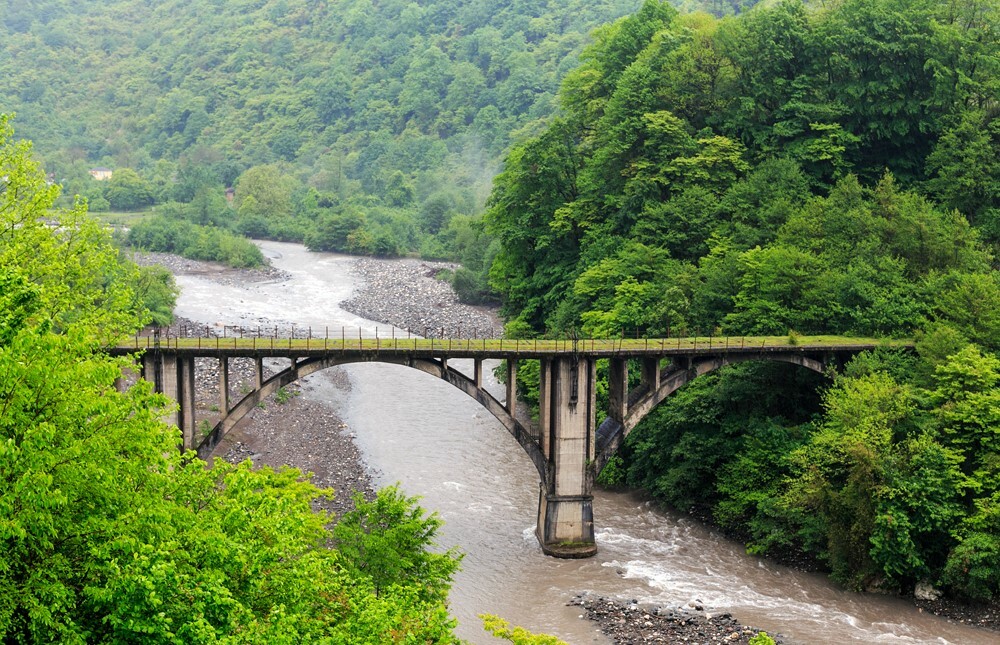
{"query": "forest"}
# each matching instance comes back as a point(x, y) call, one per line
point(793, 169)
point(601, 169)
point(370, 127)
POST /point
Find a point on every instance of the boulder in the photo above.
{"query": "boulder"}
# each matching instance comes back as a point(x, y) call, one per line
point(925, 591)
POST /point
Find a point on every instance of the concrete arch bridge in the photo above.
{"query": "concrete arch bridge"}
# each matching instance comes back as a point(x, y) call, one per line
point(569, 444)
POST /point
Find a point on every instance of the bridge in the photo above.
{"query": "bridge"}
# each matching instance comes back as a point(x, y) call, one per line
point(567, 444)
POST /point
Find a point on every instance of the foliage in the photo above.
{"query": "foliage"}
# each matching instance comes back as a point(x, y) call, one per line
point(760, 638)
point(127, 191)
point(157, 291)
point(395, 105)
point(385, 541)
point(109, 533)
point(160, 233)
point(471, 288)
point(518, 635)
point(757, 174)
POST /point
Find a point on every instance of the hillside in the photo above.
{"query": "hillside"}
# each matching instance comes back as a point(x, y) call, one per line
point(342, 94)
point(790, 170)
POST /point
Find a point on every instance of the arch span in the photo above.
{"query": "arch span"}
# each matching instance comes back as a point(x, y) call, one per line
point(566, 450)
point(612, 432)
point(437, 368)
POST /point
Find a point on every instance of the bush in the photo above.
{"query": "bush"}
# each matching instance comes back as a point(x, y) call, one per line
point(167, 235)
point(973, 567)
point(471, 288)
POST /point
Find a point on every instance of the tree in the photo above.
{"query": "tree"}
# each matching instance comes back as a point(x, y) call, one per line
point(269, 189)
point(386, 540)
point(965, 169)
point(127, 191)
point(157, 291)
point(333, 231)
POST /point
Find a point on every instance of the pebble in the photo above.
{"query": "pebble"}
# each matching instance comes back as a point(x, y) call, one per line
point(627, 622)
point(405, 293)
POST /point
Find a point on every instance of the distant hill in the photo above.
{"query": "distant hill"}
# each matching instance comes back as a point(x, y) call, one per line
point(344, 93)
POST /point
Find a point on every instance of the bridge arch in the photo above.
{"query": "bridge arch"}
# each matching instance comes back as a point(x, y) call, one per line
point(612, 432)
point(438, 368)
point(568, 449)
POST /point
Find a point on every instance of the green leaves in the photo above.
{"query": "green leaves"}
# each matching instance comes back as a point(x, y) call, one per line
point(385, 541)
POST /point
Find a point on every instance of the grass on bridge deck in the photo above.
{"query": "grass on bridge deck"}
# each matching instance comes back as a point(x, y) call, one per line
point(473, 346)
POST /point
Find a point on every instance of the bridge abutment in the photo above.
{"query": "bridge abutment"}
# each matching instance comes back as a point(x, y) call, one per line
point(565, 502)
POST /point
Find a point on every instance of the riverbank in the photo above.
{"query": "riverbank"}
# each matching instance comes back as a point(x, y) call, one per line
point(628, 622)
point(405, 293)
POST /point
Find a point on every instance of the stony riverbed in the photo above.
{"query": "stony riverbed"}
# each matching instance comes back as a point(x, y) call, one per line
point(311, 437)
point(407, 294)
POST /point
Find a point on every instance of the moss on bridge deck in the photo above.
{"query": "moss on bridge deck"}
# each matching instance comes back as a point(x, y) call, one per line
point(502, 348)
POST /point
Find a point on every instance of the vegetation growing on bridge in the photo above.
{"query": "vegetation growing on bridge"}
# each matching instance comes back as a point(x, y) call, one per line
point(251, 340)
point(759, 175)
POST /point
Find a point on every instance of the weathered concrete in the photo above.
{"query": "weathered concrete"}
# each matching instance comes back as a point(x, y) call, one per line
point(173, 375)
point(224, 385)
point(565, 506)
point(566, 446)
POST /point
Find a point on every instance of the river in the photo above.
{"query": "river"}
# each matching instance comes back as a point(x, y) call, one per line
point(441, 445)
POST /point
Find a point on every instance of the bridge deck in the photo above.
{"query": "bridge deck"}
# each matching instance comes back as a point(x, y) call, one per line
point(265, 347)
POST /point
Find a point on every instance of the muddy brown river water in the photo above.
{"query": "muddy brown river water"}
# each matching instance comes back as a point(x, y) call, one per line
point(441, 445)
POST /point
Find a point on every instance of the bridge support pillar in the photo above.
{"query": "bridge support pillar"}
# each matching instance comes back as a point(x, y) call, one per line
point(565, 501)
point(224, 385)
point(617, 389)
point(173, 376)
point(545, 439)
point(651, 373)
point(258, 364)
point(511, 402)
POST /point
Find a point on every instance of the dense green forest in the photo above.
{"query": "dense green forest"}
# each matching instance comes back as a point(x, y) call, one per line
point(792, 169)
point(370, 127)
point(827, 167)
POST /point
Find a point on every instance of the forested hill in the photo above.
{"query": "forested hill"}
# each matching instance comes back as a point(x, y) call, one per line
point(789, 170)
point(750, 172)
point(347, 92)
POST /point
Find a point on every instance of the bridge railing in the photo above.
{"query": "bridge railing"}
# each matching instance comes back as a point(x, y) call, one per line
point(344, 338)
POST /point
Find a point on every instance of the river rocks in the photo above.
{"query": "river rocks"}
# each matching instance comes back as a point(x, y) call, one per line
point(924, 591)
point(406, 294)
point(630, 622)
point(284, 430)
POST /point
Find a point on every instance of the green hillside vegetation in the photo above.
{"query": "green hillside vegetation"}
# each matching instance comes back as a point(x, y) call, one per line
point(358, 126)
point(789, 170)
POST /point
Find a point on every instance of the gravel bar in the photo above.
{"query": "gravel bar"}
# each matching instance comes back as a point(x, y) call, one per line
point(406, 294)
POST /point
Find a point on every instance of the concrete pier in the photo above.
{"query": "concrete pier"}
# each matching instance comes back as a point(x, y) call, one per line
point(565, 503)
